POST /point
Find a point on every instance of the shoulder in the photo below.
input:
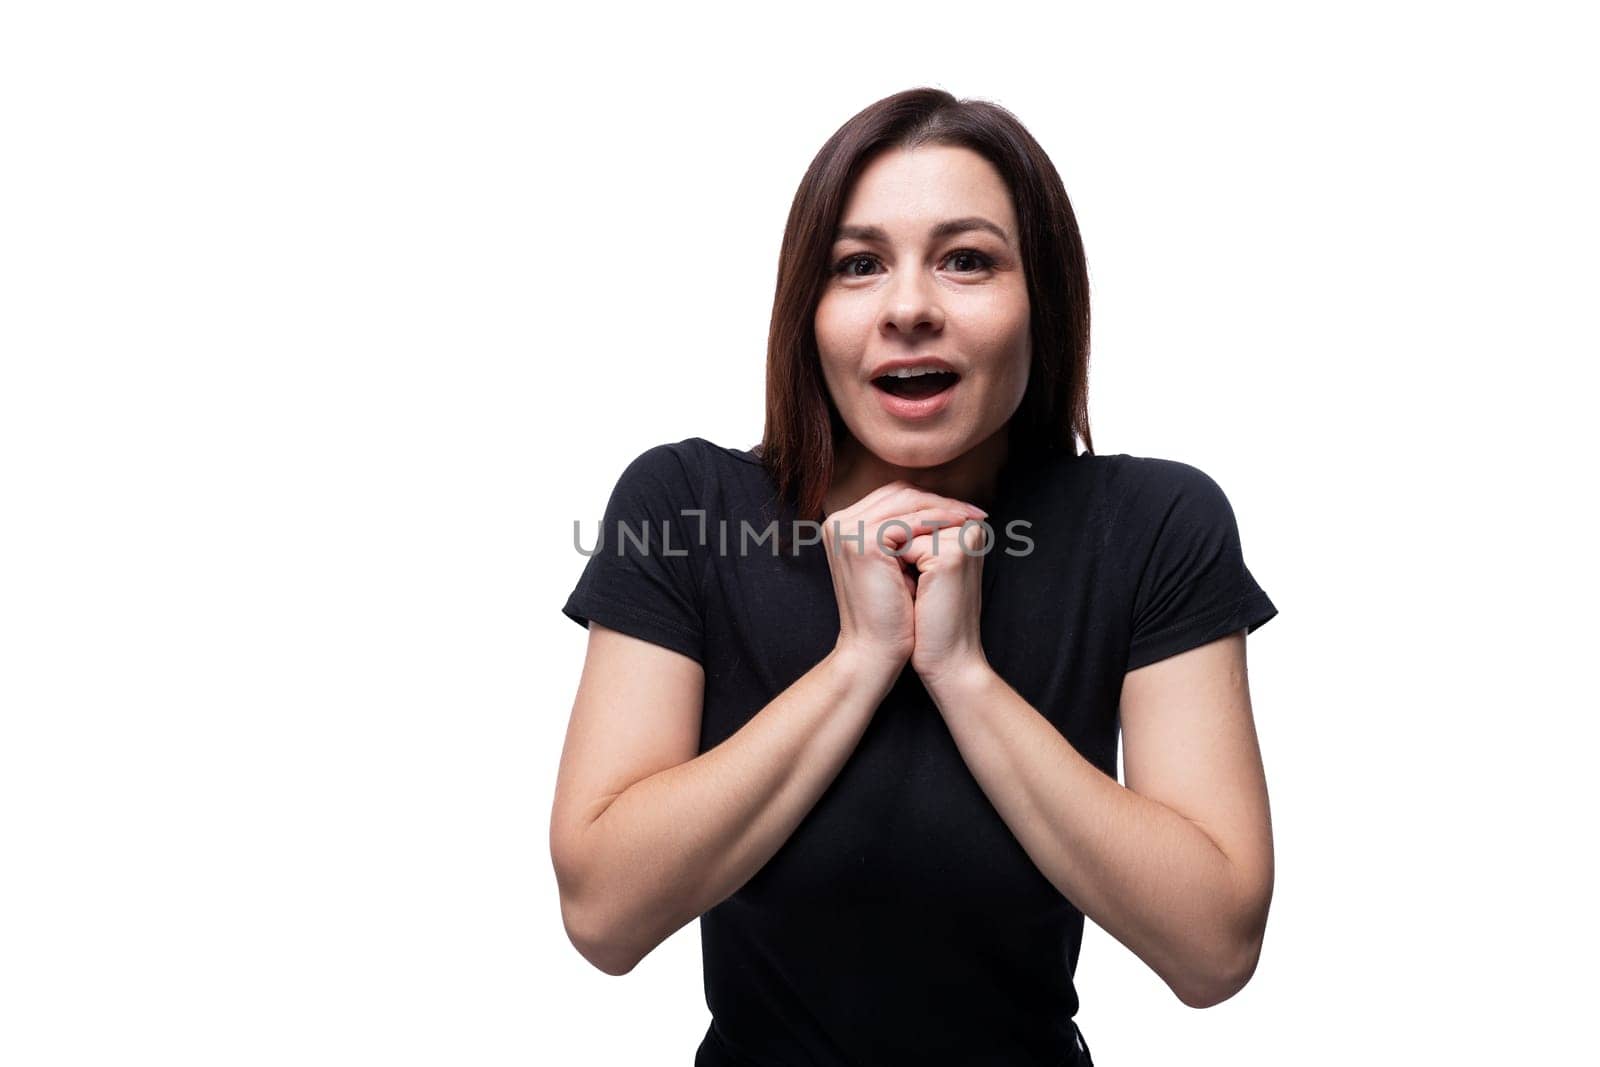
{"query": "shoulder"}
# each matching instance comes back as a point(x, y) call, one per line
point(1152, 473)
point(694, 454)
point(689, 470)
point(1151, 486)
point(669, 459)
point(1151, 505)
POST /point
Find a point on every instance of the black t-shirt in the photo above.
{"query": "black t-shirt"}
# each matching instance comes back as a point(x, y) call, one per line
point(902, 922)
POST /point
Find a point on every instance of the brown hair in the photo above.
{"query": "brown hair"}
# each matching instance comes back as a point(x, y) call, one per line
point(803, 425)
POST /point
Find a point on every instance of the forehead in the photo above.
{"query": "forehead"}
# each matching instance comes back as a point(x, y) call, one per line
point(904, 191)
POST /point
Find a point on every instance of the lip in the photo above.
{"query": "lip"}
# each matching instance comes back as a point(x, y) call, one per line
point(910, 361)
point(905, 408)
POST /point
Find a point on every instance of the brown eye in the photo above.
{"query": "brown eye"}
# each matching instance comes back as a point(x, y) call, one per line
point(983, 261)
point(846, 266)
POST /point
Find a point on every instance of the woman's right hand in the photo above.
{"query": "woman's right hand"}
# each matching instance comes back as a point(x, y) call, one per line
point(875, 591)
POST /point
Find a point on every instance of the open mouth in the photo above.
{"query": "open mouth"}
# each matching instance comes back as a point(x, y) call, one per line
point(917, 386)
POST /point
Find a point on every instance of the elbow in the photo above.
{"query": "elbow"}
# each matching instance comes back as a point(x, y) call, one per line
point(609, 961)
point(613, 921)
point(595, 942)
point(1227, 964)
point(1228, 961)
point(1228, 973)
point(587, 928)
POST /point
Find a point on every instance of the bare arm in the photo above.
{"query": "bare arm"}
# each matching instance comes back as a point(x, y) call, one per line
point(1177, 865)
point(636, 862)
point(646, 835)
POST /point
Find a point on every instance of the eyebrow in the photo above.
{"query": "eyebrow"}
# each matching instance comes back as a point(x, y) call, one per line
point(948, 228)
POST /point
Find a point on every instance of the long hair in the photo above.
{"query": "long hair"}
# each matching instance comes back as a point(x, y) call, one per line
point(803, 426)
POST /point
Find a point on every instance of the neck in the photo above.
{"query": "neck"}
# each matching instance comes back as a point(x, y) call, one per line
point(972, 476)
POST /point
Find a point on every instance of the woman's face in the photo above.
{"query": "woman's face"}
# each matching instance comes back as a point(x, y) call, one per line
point(926, 271)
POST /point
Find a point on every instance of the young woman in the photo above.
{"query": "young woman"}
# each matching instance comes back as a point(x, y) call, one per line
point(852, 696)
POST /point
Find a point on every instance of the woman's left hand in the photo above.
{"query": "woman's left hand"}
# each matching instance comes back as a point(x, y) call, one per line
point(948, 602)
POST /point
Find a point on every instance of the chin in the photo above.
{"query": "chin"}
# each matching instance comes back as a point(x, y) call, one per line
point(915, 448)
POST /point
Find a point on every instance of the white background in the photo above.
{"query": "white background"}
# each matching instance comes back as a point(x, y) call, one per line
point(322, 322)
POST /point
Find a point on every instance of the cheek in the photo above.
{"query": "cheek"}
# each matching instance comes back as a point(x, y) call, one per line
point(829, 357)
point(1020, 335)
point(1011, 349)
point(825, 326)
point(1006, 340)
point(839, 343)
point(1021, 361)
point(1014, 318)
point(840, 324)
point(834, 380)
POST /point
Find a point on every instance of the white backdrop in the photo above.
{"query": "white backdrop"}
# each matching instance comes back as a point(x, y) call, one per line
point(322, 322)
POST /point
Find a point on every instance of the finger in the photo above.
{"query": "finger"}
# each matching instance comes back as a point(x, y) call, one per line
point(850, 510)
point(897, 505)
point(918, 549)
point(893, 534)
point(951, 540)
point(910, 498)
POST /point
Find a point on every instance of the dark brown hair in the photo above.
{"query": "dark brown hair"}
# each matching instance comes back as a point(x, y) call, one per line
point(803, 425)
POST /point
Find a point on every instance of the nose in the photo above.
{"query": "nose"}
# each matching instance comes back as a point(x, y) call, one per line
point(911, 303)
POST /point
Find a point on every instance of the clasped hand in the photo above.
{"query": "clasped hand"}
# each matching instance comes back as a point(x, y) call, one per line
point(906, 589)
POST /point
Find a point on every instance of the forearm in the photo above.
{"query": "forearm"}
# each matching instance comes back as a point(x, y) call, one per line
point(1147, 875)
point(675, 844)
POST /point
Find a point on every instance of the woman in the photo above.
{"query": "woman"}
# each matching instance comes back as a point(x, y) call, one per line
point(876, 755)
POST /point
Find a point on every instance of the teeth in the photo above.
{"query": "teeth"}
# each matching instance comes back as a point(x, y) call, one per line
point(913, 372)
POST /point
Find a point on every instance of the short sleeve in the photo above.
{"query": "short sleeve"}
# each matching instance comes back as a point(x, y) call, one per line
point(643, 576)
point(1192, 583)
